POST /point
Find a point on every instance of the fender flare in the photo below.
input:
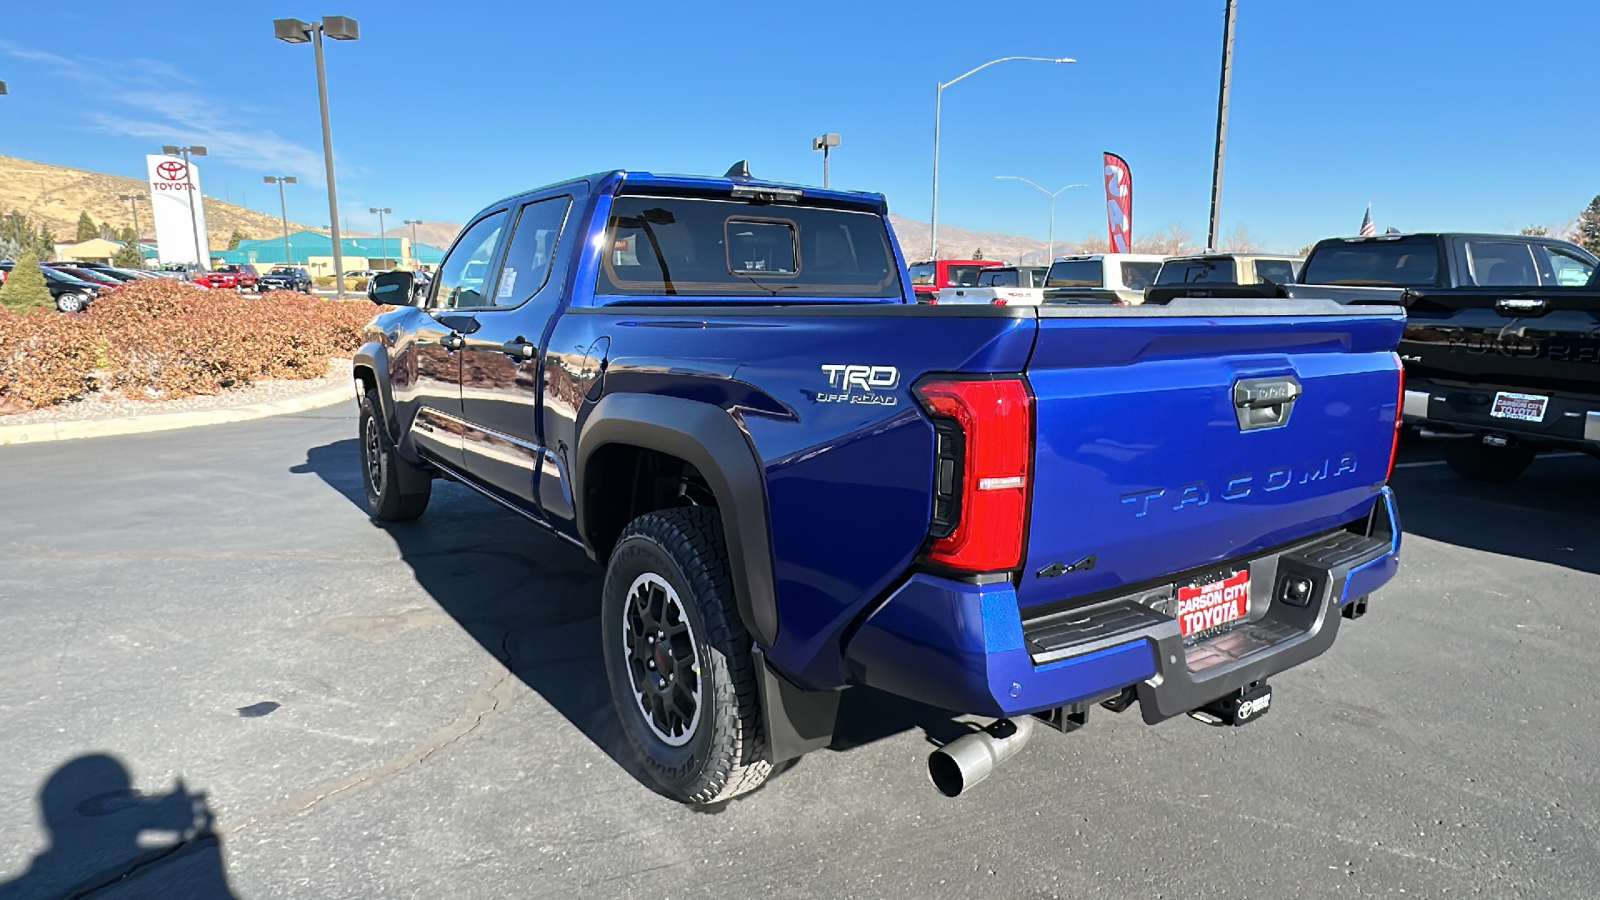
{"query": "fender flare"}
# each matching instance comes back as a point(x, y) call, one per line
point(708, 438)
point(374, 358)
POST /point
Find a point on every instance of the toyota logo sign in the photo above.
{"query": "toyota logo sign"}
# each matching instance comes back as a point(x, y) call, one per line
point(172, 170)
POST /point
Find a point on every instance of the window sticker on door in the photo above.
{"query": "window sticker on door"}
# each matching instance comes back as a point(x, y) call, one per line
point(508, 281)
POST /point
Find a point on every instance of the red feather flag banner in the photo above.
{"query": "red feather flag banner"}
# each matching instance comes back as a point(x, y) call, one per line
point(1119, 203)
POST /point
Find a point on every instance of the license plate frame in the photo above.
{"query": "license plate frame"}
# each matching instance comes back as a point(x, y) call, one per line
point(1519, 407)
point(1213, 603)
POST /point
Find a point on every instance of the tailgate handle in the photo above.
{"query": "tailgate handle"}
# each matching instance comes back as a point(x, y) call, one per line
point(1520, 306)
point(1265, 402)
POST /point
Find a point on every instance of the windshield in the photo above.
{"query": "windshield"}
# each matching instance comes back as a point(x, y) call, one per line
point(1077, 273)
point(731, 248)
point(1390, 263)
point(1197, 271)
point(281, 271)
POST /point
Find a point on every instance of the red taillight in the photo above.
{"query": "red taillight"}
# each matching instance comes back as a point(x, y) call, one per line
point(1399, 414)
point(998, 301)
point(988, 426)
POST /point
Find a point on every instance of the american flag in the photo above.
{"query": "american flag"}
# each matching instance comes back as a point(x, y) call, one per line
point(1367, 228)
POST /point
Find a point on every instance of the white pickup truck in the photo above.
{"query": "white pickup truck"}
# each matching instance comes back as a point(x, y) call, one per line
point(999, 286)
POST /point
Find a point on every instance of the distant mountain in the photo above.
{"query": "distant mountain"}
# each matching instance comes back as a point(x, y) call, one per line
point(436, 234)
point(58, 195)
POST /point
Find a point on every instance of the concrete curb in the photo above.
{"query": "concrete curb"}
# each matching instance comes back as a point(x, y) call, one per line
point(67, 431)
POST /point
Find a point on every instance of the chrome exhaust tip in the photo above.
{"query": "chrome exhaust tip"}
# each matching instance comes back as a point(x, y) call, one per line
point(967, 760)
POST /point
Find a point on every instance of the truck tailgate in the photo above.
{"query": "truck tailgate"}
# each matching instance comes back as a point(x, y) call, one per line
point(1161, 446)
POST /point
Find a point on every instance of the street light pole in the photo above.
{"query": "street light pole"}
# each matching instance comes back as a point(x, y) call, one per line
point(283, 208)
point(1052, 195)
point(201, 258)
point(383, 239)
point(824, 143)
point(133, 204)
point(938, 100)
point(1222, 125)
point(340, 28)
point(414, 223)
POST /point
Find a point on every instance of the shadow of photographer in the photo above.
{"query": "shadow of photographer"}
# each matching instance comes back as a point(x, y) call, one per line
point(105, 834)
point(533, 601)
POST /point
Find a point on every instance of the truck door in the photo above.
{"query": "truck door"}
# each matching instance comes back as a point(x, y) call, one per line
point(501, 361)
point(436, 341)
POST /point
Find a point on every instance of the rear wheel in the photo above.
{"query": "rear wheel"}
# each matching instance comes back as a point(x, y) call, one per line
point(396, 489)
point(1476, 461)
point(678, 658)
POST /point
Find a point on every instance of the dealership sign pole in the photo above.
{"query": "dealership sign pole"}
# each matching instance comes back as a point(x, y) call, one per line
point(176, 207)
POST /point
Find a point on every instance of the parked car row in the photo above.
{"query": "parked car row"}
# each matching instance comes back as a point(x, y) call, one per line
point(74, 285)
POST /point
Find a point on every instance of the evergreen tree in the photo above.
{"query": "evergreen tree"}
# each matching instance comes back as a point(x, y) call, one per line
point(1589, 226)
point(45, 246)
point(127, 235)
point(235, 238)
point(87, 230)
point(128, 256)
point(25, 290)
point(978, 253)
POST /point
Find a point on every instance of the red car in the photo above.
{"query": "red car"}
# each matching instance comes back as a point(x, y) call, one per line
point(239, 277)
point(928, 277)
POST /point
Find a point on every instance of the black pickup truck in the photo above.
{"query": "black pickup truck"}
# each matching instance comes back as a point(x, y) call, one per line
point(1502, 342)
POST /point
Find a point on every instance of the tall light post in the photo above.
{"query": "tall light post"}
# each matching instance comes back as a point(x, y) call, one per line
point(1052, 195)
point(383, 239)
point(340, 28)
point(201, 258)
point(283, 208)
point(414, 223)
point(1222, 126)
point(133, 204)
point(938, 101)
point(824, 143)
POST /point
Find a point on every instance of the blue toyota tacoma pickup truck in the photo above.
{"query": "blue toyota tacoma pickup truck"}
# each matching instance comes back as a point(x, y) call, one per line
point(799, 479)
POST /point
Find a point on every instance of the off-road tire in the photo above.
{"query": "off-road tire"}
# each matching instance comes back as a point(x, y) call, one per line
point(1474, 460)
point(725, 754)
point(383, 471)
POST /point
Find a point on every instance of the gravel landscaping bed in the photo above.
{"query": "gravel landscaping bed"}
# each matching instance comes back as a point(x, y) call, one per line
point(113, 406)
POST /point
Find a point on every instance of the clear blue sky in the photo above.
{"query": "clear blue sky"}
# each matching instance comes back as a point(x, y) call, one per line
point(1453, 114)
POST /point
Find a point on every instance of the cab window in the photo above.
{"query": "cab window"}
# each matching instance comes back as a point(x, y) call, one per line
point(460, 284)
point(532, 248)
point(1501, 264)
point(1563, 268)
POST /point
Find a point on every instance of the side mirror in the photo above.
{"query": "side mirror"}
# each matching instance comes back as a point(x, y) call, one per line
point(390, 289)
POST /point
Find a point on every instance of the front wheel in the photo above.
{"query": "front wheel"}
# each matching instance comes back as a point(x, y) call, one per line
point(70, 303)
point(396, 489)
point(678, 658)
point(1474, 460)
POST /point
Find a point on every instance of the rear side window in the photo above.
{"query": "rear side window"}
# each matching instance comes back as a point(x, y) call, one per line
point(532, 248)
point(1501, 264)
point(1140, 275)
point(1197, 271)
point(1374, 264)
point(1076, 273)
point(731, 248)
point(1275, 271)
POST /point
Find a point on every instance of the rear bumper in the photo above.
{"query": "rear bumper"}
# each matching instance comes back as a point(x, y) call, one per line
point(1570, 420)
point(966, 647)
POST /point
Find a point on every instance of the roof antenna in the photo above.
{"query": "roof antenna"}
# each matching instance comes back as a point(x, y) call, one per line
point(740, 169)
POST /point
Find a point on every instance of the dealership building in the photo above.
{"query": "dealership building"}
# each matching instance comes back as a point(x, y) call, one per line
point(314, 251)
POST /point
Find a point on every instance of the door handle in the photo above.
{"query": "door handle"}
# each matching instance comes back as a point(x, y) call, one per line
point(452, 341)
point(520, 348)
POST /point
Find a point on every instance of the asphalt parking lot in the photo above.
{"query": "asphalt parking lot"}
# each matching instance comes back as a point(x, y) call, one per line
point(202, 626)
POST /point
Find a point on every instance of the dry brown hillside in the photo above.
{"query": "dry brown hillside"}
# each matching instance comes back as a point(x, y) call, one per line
point(434, 234)
point(57, 195)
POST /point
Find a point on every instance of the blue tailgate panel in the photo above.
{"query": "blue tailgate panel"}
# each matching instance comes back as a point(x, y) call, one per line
point(1140, 460)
